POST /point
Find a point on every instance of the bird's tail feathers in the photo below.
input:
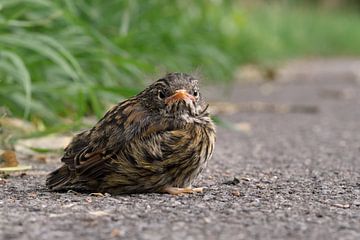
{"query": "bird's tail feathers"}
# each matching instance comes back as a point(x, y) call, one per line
point(59, 178)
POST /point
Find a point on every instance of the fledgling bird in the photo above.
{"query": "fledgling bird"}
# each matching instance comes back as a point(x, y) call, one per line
point(158, 141)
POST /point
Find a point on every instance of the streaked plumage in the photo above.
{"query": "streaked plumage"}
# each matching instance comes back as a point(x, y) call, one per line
point(157, 141)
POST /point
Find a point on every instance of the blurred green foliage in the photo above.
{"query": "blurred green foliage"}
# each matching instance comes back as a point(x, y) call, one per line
point(66, 59)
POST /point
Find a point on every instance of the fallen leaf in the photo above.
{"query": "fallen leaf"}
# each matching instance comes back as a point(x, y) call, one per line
point(8, 159)
point(15, 169)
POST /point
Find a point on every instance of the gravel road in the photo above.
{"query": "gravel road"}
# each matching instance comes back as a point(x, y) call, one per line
point(278, 172)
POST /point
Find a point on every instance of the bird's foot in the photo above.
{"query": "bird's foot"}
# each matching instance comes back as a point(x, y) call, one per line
point(179, 191)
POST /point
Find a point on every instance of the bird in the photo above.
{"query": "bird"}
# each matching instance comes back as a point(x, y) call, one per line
point(158, 141)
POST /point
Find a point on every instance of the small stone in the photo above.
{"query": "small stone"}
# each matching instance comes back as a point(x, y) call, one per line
point(260, 186)
point(235, 193)
point(208, 197)
point(235, 181)
point(207, 220)
point(274, 178)
point(319, 215)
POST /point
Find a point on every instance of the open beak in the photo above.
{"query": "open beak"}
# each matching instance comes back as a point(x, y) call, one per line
point(179, 95)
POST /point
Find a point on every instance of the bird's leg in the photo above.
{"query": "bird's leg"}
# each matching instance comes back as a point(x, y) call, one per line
point(178, 191)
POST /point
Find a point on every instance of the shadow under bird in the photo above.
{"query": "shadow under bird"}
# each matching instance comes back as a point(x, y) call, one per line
point(157, 141)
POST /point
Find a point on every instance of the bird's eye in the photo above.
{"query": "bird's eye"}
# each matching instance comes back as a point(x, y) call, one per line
point(161, 95)
point(196, 93)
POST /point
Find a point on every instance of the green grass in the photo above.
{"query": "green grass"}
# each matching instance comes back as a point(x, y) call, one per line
point(282, 32)
point(62, 60)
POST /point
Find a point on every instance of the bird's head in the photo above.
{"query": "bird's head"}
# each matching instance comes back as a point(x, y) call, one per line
point(176, 95)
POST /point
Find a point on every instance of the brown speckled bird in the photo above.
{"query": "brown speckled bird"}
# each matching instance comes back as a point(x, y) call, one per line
point(158, 141)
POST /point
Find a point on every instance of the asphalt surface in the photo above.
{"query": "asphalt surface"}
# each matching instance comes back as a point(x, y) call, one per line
point(285, 175)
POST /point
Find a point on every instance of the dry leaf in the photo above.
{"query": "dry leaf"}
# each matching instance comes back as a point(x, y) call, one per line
point(14, 169)
point(8, 159)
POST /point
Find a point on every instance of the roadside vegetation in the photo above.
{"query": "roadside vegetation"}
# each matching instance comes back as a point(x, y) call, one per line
point(61, 61)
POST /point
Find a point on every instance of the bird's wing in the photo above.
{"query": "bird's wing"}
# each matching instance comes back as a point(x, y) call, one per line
point(89, 152)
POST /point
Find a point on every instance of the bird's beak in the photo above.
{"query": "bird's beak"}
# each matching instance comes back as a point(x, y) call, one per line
point(179, 95)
